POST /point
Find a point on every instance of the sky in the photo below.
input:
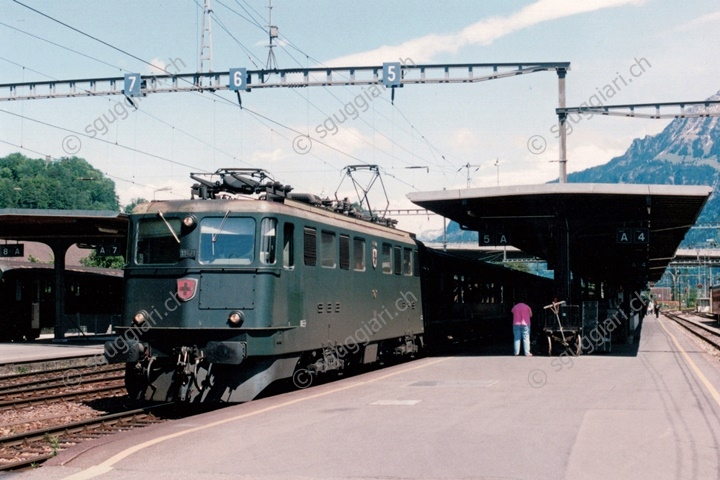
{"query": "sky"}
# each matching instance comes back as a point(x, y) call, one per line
point(503, 131)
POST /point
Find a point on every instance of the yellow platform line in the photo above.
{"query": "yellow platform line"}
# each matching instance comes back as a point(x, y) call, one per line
point(709, 386)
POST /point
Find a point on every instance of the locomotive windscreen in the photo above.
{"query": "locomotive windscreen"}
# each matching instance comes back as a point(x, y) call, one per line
point(156, 244)
point(227, 240)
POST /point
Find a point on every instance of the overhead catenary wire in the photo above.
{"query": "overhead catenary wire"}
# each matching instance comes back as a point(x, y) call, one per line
point(288, 42)
point(143, 112)
point(126, 147)
point(162, 69)
point(107, 174)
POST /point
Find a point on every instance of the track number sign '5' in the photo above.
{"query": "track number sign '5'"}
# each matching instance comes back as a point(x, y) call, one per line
point(392, 74)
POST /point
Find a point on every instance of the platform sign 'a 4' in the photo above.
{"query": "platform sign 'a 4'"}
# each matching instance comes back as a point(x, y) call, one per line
point(632, 235)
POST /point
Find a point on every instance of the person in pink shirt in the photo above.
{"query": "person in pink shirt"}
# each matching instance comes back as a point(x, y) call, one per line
point(522, 314)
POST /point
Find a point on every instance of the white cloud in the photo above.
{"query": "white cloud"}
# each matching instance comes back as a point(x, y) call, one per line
point(710, 18)
point(425, 49)
point(465, 140)
point(158, 67)
point(267, 157)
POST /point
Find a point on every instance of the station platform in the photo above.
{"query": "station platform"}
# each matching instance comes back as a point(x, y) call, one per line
point(48, 349)
point(651, 410)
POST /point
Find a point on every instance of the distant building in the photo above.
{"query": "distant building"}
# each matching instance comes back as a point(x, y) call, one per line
point(663, 294)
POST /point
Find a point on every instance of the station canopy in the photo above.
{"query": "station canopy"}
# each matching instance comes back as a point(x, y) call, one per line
point(613, 232)
point(65, 226)
point(59, 229)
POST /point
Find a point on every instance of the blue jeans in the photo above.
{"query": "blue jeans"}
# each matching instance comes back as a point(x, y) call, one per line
point(524, 332)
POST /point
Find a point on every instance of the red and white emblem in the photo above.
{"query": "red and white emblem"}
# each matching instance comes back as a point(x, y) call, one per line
point(186, 288)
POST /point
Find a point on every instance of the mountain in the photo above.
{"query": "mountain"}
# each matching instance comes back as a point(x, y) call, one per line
point(686, 152)
point(453, 234)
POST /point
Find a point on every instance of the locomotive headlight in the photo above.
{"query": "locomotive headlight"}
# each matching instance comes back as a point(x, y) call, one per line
point(141, 317)
point(189, 221)
point(236, 318)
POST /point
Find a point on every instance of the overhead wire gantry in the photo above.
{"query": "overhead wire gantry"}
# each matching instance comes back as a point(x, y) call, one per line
point(388, 75)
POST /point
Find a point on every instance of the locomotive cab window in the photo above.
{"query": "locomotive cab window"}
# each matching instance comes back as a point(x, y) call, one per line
point(156, 241)
point(407, 262)
point(359, 254)
point(386, 258)
point(289, 245)
point(268, 229)
point(327, 249)
point(397, 260)
point(227, 240)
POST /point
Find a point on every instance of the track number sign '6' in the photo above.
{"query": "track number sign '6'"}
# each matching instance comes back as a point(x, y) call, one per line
point(238, 79)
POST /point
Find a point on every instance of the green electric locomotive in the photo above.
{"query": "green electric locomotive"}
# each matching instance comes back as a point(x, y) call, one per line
point(225, 296)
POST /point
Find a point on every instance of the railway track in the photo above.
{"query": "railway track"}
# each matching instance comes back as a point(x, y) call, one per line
point(45, 412)
point(18, 369)
point(710, 335)
point(70, 383)
point(36, 446)
point(63, 378)
point(55, 374)
point(46, 405)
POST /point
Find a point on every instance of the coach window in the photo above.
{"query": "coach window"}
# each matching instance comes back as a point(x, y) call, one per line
point(289, 245)
point(327, 249)
point(310, 246)
point(157, 241)
point(268, 229)
point(344, 252)
point(359, 254)
point(407, 262)
point(386, 258)
point(416, 263)
point(227, 240)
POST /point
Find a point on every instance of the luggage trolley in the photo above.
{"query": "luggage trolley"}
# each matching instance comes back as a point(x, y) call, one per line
point(563, 330)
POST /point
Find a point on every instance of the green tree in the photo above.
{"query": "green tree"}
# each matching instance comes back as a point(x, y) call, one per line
point(133, 203)
point(64, 184)
point(93, 260)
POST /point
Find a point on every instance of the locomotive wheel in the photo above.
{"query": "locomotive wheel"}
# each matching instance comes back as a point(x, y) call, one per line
point(303, 378)
point(134, 381)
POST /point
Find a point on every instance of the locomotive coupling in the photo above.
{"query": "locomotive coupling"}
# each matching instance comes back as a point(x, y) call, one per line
point(123, 350)
point(228, 353)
